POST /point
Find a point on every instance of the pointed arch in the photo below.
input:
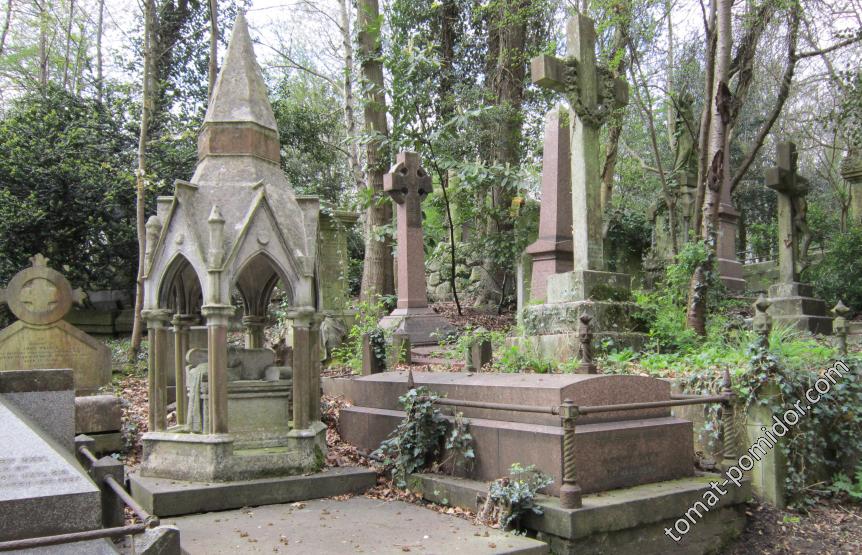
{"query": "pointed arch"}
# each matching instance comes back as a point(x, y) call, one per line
point(256, 279)
point(180, 288)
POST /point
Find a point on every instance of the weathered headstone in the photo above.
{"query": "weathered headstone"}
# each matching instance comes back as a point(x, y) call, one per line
point(479, 354)
point(40, 297)
point(408, 184)
point(593, 93)
point(552, 252)
point(792, 301)
point(43, 491)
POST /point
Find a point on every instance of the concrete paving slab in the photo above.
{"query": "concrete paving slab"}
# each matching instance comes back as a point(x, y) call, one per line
point(355, 525)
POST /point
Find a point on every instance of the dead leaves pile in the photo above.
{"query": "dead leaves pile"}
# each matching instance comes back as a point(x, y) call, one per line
point(136, 410)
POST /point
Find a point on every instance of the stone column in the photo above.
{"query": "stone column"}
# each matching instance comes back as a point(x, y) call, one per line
point(181, 323)
point(729, 266)
point(306, 368)
point(157, 336)
point(254, 327)
point(851, 171)
point(217, 317)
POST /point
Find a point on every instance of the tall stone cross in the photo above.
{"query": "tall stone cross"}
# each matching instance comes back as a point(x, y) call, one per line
point(408, 184)
point(593, 94)
point(791, 189)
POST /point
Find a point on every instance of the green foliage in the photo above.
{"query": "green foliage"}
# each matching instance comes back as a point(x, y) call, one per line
point(521, 358)
point(470, 335)
point(837, 276)
point(459, 444)
point(418, 440)
point(515, 494)
point(628, 237)
point(368, 314)
point(66, 189)
point(852, 488)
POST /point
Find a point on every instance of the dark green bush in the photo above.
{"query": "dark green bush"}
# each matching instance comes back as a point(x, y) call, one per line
point(837, 274)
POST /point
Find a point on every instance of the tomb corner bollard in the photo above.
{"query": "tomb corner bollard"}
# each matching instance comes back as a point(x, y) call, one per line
point(84, 441)
point(840, 326)
point(728, 424)
point(570, 491)
point(585, 336)
point(113, 508)
point(371, 364)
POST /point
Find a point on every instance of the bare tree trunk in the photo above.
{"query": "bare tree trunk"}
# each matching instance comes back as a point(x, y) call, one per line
point(705, 118)
point(718, 175)
point(100, 25)
point(6, 22)
point(671, 120)
point(213, 63)
point(349, 99)
point(378, 277)
point(68, 53)
point(140, 181)
point(43, 42)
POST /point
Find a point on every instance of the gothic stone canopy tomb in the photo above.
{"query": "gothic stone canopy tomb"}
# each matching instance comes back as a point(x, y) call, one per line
point(236, 226)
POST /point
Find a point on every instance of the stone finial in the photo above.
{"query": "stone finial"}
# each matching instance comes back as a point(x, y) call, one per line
point(216, 228)
point(762, 322)
point(840, 326)
point(585, 336)
point(239, 119)
point(154, 229)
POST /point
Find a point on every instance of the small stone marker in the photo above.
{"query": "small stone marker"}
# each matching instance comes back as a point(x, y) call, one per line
point(43, 491)
point(792, 301)
point(40, 297)
point(479, 354)
point(408, 184)
point(371, 363)
point(552, 251)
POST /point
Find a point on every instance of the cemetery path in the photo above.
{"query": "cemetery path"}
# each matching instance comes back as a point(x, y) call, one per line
point(334, 526)
point(830, 528)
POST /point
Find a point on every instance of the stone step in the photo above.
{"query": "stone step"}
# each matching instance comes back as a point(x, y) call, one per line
point(165, 497)
point(609, 455)
point(630, 520)
point(382, 390)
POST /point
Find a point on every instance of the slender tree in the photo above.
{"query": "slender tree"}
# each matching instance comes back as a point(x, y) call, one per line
point(140, 176)
point(213, 61)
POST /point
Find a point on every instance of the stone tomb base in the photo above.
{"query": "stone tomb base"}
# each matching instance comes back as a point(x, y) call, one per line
point(614, 450)
point(630, 520)
point(423, 325)
point(794, 304)
point(166, 497)
point(177, 455)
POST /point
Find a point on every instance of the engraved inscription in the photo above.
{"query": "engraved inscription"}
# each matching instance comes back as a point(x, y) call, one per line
point(30, 471)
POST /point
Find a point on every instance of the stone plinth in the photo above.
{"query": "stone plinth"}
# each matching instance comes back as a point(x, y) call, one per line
point(43, 491)
point(46, 398)
point(423, 325)
point(794, 304)
point(613, 449)
point(551, 329)
point(259, 412)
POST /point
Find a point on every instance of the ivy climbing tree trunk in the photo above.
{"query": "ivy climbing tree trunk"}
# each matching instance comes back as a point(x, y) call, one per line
point(378, 276)
point(505, 71)
point(140, 174)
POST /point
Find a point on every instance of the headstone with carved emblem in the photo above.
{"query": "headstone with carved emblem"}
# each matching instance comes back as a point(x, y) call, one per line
point(40, 297)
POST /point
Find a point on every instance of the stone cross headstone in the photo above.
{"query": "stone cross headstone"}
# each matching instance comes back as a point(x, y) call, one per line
point(40, 297)
point(552, 251)
point(408, 184)
point(791, 189)
point(593, 94)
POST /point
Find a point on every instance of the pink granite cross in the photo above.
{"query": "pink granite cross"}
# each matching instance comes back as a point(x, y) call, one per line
point(408, 184)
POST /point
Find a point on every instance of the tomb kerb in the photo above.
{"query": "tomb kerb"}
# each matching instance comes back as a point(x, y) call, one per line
point(407, 183)
point(593, 94)
point(235, 226)
point(793, 301)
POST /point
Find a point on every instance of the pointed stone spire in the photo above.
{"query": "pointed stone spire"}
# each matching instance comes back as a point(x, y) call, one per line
point(239, 120)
